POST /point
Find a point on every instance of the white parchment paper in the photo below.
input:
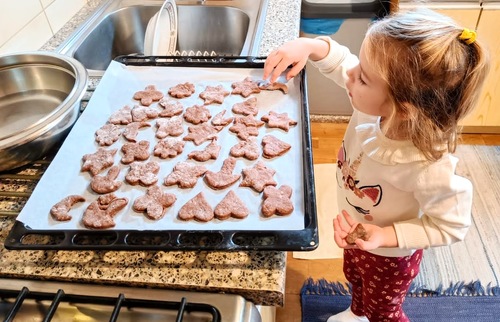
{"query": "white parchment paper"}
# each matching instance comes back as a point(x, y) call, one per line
point(115, 90)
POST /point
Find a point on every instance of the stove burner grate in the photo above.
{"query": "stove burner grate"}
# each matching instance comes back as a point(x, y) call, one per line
point(182, 307)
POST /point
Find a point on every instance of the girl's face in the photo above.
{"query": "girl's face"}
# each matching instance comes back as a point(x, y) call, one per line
point(367, 90)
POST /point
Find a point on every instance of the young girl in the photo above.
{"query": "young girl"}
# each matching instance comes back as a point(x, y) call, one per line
point(417, 75)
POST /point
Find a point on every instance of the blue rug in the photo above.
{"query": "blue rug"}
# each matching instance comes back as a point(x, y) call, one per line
point(459, 302)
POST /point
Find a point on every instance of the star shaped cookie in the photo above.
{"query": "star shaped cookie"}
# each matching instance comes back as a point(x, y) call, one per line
point(214, 94)
point(246, 87)
point(278, 120)
point(201, 133)
point(258, 177)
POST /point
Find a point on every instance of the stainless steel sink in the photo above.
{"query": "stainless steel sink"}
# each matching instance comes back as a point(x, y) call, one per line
point(213, 27)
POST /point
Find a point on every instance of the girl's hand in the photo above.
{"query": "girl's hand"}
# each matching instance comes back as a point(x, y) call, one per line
point(296, 53)
point(376, 236)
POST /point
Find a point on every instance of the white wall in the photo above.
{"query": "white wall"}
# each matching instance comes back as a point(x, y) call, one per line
point(28, 24)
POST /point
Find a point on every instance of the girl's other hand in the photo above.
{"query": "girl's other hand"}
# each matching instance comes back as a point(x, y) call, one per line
point(376, 236)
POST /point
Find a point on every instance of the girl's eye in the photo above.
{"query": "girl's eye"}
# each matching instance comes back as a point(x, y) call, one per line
point(361, 80)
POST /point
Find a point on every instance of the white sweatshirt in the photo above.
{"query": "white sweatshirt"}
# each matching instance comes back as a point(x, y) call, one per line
point(387, 182)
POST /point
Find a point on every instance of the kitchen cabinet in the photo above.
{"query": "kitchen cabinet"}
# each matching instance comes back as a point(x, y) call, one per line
point(486, 117)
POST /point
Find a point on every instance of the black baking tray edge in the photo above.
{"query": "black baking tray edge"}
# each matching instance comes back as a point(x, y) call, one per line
point(21, 237)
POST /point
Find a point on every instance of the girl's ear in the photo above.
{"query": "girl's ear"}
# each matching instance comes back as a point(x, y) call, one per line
point(406, 112)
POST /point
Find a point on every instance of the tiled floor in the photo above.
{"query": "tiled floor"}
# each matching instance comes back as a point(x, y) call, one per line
point(326, 138)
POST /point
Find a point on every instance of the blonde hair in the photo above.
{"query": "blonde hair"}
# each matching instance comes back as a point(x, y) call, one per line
point(434, 78)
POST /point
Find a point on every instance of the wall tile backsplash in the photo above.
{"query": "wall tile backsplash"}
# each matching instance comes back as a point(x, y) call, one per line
point(28, 24)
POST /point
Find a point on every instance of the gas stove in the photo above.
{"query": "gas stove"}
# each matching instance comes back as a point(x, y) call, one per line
point(33, 300)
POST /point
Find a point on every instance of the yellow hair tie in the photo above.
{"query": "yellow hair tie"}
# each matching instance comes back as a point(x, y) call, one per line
point(468, 36)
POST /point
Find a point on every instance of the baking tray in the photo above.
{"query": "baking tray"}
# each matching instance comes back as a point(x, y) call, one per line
point(23, 237)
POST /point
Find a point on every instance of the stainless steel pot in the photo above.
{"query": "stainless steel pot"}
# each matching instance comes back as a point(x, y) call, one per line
point(40, 94)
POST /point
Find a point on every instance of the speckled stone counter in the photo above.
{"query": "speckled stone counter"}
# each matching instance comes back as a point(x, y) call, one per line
point(258, 276)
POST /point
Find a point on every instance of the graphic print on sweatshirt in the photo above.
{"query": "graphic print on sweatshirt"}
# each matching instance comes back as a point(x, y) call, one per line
point(363, 198)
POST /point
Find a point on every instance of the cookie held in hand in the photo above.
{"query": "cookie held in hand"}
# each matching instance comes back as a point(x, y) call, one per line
point(358, 232)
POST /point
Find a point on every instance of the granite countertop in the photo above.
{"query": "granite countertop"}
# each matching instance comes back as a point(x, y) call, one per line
point(259, 276)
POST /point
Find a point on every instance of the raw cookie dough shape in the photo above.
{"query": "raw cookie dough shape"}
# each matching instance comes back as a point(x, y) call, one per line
point(196, 208)
point(143, 173)
point(98, 161)
point(248, 107)
point(278, 120)
point(246, 87)
point(154, 203)
point(197, 114)
point(143, 113)
point(101, 212)
point(214, 94)
point(106, 183)
point(108, 134)
point(273, 147)
point(219, 120)
point(132, 130)
point(246, 126)
point(169, 127)
point(185, 175)
point(135, 151)
point(358, 232)
point(248, 149)
point(122, 116)
point(231, 206)
point(201, 133)
point(277, 201)
point(60, 211)
point(170, 108)
point(168, 148)
point(182, 90)
point(244, 132)
point(274, 86)
point(258, 177)
point(225, 177)
point(148, 95)
point(211, 151)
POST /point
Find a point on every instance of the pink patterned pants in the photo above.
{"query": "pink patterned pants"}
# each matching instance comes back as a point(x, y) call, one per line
point(380, 284)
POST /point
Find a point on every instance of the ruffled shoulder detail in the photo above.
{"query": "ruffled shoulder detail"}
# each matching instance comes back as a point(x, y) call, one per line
point(384, 150)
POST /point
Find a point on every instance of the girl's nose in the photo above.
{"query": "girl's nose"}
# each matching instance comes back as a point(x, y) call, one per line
point(350, 75)
point(350, 72)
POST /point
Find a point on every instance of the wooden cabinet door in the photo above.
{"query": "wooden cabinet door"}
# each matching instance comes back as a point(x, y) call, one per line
point(488, 112)
point(486, 117)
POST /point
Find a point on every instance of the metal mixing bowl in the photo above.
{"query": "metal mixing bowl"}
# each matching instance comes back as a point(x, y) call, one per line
point(40, 94)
